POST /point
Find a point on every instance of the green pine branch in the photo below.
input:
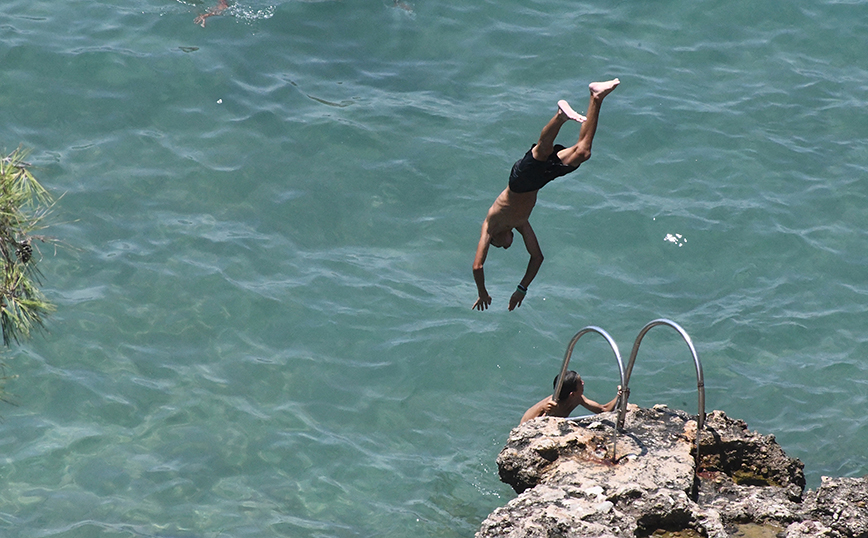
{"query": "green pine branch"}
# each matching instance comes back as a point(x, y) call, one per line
point(24, 205)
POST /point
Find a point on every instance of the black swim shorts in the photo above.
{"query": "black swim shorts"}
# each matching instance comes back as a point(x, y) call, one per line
point(529, 174)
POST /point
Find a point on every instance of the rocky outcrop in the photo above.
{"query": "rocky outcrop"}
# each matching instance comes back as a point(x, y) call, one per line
point(575, 479)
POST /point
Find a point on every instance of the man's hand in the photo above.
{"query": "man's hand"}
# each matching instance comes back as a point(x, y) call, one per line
point(548, 407)
point(515, 300)
point(483, 302)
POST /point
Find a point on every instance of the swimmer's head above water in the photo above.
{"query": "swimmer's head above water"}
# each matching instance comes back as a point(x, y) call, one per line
point(572, 384)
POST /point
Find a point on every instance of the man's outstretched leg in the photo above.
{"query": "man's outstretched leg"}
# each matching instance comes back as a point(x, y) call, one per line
point(581, 152)
point(546, 143)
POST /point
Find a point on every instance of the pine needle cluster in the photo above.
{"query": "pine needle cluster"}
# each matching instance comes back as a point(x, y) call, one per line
point(24, 204)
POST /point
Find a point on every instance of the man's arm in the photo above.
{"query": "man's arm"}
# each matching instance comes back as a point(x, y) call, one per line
point(591, 405)
point(484, 300)
point(533, 265)
point(542, 408)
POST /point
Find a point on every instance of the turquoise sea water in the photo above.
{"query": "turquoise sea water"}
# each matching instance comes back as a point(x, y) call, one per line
point(264, 323)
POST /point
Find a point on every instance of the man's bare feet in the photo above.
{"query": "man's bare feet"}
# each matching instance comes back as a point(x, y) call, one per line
point(602, 89)
point(569, 112)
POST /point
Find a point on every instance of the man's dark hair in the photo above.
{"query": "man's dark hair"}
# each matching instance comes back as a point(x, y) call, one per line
point(571, 383)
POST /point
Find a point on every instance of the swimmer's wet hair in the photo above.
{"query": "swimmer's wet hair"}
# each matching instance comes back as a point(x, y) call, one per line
point(571, 383)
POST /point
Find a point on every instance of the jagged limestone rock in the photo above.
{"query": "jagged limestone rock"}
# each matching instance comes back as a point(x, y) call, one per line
point(574, 479)
point(842, 504)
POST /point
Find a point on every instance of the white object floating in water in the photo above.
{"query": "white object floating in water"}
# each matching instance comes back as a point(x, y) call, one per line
point(677, 239)
point(219, 101)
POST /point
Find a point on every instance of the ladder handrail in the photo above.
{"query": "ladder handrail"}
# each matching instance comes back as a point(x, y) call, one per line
point(569, 353)
point(700, 380)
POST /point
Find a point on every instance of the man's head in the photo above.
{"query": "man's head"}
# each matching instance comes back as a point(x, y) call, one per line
point(502, 240)
point(572, 384)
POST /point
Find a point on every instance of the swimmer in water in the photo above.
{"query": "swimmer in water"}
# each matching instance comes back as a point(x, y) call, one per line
point(572, 395)
point(221, 6)
point(542, 163)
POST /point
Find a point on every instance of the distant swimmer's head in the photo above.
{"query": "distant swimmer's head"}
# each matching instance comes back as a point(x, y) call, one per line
point(502, 240)
point(572, 383)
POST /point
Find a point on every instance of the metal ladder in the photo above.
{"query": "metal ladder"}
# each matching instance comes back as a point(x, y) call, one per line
point(624, 392)
point(569, 354)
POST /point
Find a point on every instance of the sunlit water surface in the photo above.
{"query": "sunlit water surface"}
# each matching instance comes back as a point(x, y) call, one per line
point(267, 226)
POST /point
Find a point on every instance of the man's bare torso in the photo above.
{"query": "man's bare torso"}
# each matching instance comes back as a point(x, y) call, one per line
point(510, 210)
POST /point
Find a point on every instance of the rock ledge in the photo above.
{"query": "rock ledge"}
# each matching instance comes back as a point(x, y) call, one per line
point(573, 481)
